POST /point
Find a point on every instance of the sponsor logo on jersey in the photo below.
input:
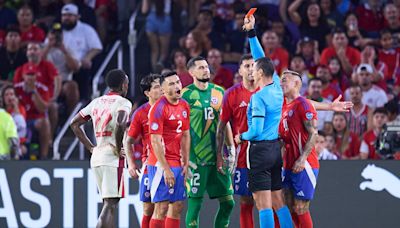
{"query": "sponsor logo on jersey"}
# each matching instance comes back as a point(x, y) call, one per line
point(214, 100)
point(197, 103)
point(154, 126)
point(243, 104)
point(378, 179)
point(172, 117)
point(309, 115)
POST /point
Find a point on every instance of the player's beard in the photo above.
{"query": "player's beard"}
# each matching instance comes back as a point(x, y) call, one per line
point(204, 80)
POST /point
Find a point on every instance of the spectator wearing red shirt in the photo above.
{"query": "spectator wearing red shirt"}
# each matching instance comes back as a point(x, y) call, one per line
point(222, 76)
point(34, 96)
point(29, 31)
point(47, 75)
point(392, 22)
point(390, 56)
point(338, 76)
point(367, 148)
point(370, 17)
point(330, 91)
point(347, 143)
point(272, 49)
point(179, 59)
point(349, 57)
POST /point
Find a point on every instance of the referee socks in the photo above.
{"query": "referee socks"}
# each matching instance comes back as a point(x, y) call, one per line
point(284, 217)
point(266, 218)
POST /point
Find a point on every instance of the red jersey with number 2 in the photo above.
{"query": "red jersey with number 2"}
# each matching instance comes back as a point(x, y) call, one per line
point(169, 121)
point(293, 132)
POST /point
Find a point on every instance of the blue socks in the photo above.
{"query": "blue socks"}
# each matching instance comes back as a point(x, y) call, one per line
point(266, 218)
point(285, 219)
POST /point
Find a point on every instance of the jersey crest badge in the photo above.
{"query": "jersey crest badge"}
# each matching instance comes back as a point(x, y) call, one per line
point(214, 100)
point(154, 126)
point(184, 114)
point(290, 113)
point(309, 115)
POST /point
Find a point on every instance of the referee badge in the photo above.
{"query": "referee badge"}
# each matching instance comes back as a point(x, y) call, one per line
point(309, 115)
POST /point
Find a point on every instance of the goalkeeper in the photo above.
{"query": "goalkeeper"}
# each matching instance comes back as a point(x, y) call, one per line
point(206, 165)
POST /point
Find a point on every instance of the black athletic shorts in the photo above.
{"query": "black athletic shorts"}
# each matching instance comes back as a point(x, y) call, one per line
point(265, 171)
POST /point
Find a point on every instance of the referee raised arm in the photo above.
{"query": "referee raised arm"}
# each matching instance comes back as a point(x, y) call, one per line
point(264, 155)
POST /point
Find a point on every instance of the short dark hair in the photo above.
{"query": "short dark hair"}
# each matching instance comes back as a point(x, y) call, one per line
point(266, 65)
point(166, 75)
point(383, 32)
point(3, 93)
point(145, 83)
point(245, 57)
point(381, 110)
point(354, 85)
point(177, 50)
point(297, 56)
point(314, 80)
point(338, 30)
point(13, 28)
point(115, 78)
point(322, 133)
point(392, 106)
point(192, 62)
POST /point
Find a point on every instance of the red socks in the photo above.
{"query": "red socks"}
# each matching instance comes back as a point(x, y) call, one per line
point(276, 219)
point(171, 223)
point(305, 220)
point(146, 221)
point(156, 223)
point(246, 215)
point(295, 219)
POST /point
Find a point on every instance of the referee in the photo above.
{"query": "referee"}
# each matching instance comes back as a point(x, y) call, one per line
point(264, 155)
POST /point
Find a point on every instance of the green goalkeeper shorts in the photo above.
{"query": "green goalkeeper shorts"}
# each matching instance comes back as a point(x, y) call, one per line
point(207, 178)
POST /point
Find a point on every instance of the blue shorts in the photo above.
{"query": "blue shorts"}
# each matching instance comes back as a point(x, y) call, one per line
point(144, 189)
point(161, 191)
point(302, 184)
point(241, 185)
point(159, 25)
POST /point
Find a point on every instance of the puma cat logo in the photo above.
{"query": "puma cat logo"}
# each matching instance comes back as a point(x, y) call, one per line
point(379, 179)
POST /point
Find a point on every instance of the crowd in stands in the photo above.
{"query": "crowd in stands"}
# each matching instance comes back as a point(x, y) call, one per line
point(342, 48)
point(46, 57)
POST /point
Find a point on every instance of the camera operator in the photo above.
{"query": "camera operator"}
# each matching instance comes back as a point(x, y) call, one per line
point(388, 142)
point(367, 148)
point(66, 63)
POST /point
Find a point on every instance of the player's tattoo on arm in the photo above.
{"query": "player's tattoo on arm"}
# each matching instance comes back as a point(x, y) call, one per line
point(311, 126)
point(220, 135)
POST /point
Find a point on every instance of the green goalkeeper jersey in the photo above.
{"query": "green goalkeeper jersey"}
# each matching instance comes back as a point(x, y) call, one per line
point(205, 106)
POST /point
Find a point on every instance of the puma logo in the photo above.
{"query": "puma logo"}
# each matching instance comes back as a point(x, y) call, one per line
point(379, 179)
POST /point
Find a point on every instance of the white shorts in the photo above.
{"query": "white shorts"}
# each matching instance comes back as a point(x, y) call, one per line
point(110, 181)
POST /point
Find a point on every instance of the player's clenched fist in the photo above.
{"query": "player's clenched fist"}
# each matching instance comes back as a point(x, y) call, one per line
point(249, 23)
point(169, 178)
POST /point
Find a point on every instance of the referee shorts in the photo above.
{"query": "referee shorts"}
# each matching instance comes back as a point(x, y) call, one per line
point(265, 166)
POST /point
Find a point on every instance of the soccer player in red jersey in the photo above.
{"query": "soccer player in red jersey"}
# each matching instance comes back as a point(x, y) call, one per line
point(367, 148)
point(234, 110)
point(139, 128)
point(110, 115)
point(298, 129)
point(169, 153)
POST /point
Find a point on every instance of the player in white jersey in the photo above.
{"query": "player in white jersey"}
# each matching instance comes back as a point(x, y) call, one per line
point(109, 114)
